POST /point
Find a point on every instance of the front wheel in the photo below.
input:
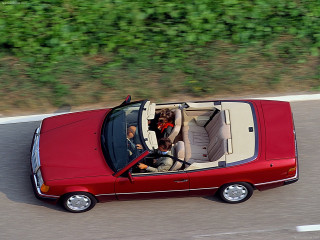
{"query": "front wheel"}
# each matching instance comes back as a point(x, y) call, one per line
point(236, 192)
point(78, 202)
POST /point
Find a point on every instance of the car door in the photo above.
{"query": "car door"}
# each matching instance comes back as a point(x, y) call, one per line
point(152, 185)
point(205, 182)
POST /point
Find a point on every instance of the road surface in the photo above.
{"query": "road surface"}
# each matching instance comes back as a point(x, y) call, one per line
point(281, 213)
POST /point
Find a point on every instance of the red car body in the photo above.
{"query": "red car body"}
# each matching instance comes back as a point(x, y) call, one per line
point(68, 151)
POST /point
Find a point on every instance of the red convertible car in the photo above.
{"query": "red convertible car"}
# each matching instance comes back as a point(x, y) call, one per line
point(225, 147)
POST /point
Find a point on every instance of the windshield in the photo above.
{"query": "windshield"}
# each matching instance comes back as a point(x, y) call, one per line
point(121, 137)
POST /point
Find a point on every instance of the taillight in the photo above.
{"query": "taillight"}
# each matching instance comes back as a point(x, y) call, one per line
point(292, 172)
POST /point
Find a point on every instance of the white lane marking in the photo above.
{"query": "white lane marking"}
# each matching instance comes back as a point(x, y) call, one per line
point(237, 233)
point(29, 118)
point(293, 98)
point(32, 118)
point(305, 228)
point(308, 228)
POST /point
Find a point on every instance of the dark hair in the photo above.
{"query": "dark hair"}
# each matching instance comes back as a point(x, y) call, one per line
point(165, 143)
point(167, 114)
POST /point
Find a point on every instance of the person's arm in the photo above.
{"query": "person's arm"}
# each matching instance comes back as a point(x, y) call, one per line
point(167, 131)
point(165, 165)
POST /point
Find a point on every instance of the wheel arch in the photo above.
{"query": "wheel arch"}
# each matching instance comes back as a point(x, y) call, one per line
point(239, 181)
point(73, 189)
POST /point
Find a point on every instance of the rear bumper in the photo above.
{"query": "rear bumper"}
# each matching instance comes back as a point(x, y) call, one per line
point(296, 153)
point(291, 181)
point(280, 182)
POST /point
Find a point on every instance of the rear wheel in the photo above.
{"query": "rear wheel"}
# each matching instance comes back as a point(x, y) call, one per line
point(78, 202)
point(236, 192)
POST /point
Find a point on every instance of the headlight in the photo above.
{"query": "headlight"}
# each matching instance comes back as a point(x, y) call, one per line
point(35, 158)
point(39, 178)
point(40, 183)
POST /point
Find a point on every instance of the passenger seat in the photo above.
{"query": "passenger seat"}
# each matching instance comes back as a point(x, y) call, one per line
point(177, 125)
point(178, 152)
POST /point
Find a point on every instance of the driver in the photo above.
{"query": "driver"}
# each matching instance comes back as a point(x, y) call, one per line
point(131, 131)
point(161, 164)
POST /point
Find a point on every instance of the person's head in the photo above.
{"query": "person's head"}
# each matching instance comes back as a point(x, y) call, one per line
point(131, 131)
point(166, 115)
point(164, 145)
point(170, 116)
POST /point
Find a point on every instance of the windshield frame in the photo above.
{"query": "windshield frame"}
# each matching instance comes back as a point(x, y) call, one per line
point(104, 140)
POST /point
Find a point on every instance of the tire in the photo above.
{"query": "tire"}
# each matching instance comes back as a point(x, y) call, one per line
point(236, 192)
point(78, 202)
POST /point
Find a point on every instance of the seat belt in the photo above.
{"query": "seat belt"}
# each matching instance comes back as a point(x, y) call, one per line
point(216, 111)
point(177, 160)
point(172, 157)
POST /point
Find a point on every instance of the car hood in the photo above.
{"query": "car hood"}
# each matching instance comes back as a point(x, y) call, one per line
point(280, 139)
point(70, 146)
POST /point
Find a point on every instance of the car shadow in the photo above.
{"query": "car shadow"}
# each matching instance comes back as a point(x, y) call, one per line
point(15, 143)
point(214, 198)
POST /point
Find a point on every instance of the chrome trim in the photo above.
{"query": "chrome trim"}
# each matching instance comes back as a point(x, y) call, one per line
point(106, 194)
point(35, 156)
point(195, 189)
point(180, 190)
point(35, 164)
point(39, 191)
point(296, 147)
point(282, 180)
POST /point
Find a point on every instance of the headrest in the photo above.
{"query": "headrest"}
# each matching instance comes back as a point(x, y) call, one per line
point(151, 140)
point(151, 111)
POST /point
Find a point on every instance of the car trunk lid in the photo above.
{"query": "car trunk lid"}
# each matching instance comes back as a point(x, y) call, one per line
point(280, 139)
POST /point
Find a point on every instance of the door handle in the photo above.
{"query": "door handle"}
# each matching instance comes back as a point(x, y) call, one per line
point(181, 181)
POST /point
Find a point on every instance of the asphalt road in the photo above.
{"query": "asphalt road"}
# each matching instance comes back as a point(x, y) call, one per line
point(272, 214)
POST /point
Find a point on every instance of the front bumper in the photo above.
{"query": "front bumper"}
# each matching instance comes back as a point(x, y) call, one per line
point(35, 168)
point(38, 193)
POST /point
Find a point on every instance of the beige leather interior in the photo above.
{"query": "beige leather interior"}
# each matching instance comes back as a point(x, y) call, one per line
point(208, 143)
point(227, 137)
point(177, 124)
point(150, 136)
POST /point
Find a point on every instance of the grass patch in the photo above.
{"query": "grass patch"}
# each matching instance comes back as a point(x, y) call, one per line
point(215, 69)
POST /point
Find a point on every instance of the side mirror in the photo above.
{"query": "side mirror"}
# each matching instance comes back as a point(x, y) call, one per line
point(127, 100)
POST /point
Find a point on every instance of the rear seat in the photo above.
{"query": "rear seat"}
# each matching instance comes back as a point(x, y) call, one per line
point(209, 143)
